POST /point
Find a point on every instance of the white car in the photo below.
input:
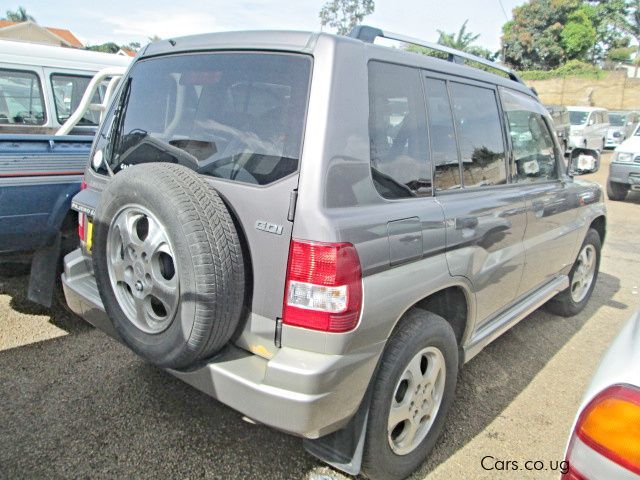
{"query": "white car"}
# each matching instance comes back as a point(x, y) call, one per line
point(605, 439)
point(589, 127)
point(624, 170)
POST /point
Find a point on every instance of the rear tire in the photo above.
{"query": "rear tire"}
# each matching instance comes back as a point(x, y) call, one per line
point(389, 452)
point(616, 191)
point(168, 264)
point(572, 301)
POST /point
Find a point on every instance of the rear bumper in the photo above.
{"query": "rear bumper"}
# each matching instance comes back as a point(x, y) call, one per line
point(625, 173)
point(300, 392)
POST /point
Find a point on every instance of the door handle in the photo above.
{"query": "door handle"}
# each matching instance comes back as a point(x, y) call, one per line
point(466, 223)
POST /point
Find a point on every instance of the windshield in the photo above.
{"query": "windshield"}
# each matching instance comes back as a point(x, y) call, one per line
point(238, 116)
point(578, 117)
point(617, 120)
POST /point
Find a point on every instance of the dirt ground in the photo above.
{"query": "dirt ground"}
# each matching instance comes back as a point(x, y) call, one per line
point(74, 403)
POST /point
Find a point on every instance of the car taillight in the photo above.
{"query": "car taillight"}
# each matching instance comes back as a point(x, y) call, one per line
point(82, 217)
point(610, 426)
point(323, 289)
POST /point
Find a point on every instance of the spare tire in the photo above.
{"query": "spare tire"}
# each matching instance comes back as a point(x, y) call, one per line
point(168, 264)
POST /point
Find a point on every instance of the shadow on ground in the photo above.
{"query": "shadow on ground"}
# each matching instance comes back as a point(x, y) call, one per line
point(85, 406)
point(14, 281)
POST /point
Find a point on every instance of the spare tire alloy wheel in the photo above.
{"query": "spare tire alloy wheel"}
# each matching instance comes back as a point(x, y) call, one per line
point(416, 400)
point(168, 264)
point(142, 269)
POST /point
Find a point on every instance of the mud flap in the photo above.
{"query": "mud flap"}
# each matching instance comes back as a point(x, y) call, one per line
point(44, 272)
point(343, 449)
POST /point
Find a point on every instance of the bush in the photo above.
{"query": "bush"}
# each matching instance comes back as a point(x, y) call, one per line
point(573, 68)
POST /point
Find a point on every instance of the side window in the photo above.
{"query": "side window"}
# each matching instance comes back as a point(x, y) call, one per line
point(67, 93)
point(443, 138)
point(479, 134)
point(534, 152)
point(398, 132)
point(21, 101)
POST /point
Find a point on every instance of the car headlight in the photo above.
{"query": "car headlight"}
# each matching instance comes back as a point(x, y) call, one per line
point(623, 157)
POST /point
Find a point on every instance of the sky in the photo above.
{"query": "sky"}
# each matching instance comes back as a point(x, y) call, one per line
point(123, 21)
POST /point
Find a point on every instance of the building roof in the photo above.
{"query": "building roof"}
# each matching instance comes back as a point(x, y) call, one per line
point(65, 35)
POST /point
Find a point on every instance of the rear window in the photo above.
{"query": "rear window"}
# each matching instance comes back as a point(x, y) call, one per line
point(617, 120)
point(238, 116)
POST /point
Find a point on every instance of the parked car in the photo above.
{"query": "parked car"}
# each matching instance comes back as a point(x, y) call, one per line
point(605, 438)
point(318, 231)
point(561, 123)
point(40, 170)
point(624, 170)
point(622, 125)
point(589, 127)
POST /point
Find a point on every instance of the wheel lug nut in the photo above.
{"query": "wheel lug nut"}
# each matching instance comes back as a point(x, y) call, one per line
point(139, 286)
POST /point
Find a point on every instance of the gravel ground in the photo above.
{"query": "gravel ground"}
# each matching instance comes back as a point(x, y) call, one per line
point(75, 403)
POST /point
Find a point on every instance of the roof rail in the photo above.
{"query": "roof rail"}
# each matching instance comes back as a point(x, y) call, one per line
point(369, 34)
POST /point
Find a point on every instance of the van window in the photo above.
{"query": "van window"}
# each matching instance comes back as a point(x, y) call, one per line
point(398, 132)
point(444, 149)
point(21, 101)
point(479, 135)
point(578, 117)
point(534, 152)
point(67, 93)
point(239, 116)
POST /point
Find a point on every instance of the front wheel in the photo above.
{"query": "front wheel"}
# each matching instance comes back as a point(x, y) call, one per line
point(413, 390)
point(582, 279)
point(616, 191)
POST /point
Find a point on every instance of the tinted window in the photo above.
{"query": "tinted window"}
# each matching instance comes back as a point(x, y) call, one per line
point(534, 151)
point(479, 135)
point(444, 150)
point(398, 133)
point(67, 94)
point(21, 101)
point(238, 116)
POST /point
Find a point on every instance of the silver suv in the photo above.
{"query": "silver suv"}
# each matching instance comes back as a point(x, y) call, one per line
point(319, 231)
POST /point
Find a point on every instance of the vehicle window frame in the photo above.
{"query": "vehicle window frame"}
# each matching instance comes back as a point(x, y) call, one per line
point(558, 159)
point(105, 127)
point(419, 72)
point(45, 119)
point(448, 78)
point(53, 96)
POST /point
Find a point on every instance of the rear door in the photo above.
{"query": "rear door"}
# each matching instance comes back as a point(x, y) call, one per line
point(484, 214)
point(551, 202)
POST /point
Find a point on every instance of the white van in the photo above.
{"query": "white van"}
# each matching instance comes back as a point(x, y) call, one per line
point(41, 86)
point(589, 126)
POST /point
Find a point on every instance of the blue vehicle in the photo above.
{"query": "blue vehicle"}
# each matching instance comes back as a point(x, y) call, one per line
point(49, 111)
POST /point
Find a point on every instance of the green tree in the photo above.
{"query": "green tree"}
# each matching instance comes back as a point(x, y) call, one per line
point(460, 40)
point(464, 40)
point(19, 15)
point(343, 15)
point(606, 16)
point(630, 23)
point(108, 47)
point(546, 33)
point(579, 34)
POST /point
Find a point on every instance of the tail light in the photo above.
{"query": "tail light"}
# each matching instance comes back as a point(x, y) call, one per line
point(324, 286)
point(82, 217)
point(609, 426)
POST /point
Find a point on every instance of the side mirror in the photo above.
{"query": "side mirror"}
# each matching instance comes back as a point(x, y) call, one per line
point(583, 161)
